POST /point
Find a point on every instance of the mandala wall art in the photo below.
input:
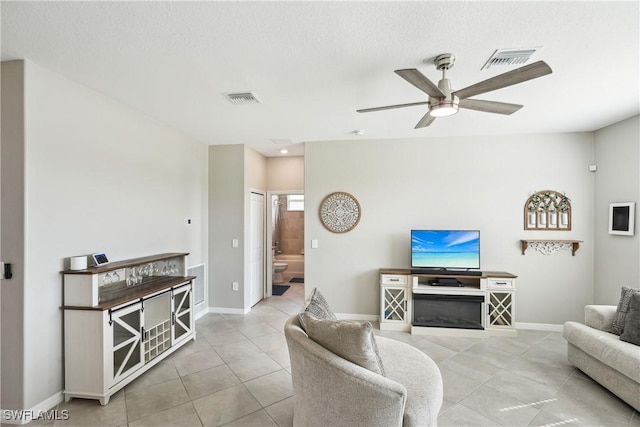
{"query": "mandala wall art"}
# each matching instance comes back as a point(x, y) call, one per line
point(340, 212)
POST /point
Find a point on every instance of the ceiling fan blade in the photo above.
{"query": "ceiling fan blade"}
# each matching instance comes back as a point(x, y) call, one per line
point(528, 72)
point(425, 121)
point(419, 80)
point(490, 106)
point(389, 107)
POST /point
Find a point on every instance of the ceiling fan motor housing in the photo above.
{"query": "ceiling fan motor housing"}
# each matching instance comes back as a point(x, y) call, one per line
point(447, 106)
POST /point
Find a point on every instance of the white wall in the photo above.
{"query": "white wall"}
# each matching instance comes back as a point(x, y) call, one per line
point(617, 258)
point(464, 183)
point(99, 177)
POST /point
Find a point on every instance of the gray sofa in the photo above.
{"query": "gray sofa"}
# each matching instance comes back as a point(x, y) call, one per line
point(331, 391)
point(613, 363)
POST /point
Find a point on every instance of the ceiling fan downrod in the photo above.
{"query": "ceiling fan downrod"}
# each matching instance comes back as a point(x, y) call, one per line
point(447, 105)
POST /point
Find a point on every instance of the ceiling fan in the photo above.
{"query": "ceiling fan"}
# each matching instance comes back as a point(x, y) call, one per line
point(445, 102)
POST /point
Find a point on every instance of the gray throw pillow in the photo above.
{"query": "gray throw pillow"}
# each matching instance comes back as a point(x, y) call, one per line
point(617, 326)
point(631, 331)
point(350, 339)
point(318, 307)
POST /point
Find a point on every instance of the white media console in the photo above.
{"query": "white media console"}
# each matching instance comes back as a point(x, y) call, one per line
point(409, 302)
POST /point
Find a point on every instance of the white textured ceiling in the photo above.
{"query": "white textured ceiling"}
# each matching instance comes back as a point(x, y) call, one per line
point(312, 64)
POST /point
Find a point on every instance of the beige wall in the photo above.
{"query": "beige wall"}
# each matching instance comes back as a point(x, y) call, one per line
point(285, 173)
point(99, 177)
point(234, 172)
point(256, 170)
point(226, 222)
point(13, 232)
point(617, 258)
point(460, 183)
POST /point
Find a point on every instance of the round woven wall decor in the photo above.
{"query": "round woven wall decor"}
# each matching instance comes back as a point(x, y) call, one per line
point(340, 212)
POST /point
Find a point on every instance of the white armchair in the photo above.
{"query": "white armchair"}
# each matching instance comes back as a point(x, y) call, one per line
point(330, 390)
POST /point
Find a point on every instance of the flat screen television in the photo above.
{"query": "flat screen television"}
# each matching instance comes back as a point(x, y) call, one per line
point(445, 249)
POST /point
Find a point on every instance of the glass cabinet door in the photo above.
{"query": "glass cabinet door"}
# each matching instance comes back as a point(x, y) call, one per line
point(182, 319)
point(500, 309)
point(394, 304)
point(126, 340)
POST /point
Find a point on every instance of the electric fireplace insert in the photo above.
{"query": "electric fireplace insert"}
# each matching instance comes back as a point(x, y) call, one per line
point(448, 311)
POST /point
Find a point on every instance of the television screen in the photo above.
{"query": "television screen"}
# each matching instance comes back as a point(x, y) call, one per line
point(445, 249)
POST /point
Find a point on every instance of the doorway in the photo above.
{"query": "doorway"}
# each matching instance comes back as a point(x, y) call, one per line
point(285, 240)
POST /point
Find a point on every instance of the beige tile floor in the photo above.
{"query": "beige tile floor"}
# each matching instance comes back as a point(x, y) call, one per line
point(237, 373)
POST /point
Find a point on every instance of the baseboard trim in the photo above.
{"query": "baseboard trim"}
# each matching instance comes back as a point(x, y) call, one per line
point(41, 411)
point(201, 310)
point(225, 310)
point(539, 327)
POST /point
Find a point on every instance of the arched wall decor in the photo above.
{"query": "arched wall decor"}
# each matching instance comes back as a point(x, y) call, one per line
point(547, 210)
point(340, 212)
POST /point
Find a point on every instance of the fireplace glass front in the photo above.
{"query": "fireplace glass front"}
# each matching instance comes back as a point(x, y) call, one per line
point(448, 311)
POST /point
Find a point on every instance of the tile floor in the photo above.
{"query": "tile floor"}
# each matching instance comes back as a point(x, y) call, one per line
point(237, 373)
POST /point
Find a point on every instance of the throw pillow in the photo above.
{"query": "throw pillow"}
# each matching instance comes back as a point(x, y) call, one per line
point(617, 326)
point(350, 339)
point(631, 331)
point(318, 307)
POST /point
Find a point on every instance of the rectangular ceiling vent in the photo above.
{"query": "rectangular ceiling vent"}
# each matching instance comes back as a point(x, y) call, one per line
point(510, 57)
point(282, 141)
point(242, 98)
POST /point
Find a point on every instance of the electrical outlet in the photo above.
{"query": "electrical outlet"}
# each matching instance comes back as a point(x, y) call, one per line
point(187, 221)
point(234, 243)
point(234, 286)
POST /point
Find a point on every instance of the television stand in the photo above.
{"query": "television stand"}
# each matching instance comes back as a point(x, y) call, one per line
point(400, 288)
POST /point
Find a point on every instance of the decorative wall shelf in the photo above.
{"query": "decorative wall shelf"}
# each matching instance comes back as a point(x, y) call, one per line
point(547, 247)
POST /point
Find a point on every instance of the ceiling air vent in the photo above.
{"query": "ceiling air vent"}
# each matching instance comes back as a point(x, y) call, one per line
point(510, 57)
point(282, 141)
point(242, 98)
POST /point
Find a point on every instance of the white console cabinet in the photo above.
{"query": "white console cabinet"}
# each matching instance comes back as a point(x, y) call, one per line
point(395, 302)
point(500, 295)
point(113, 333)
point(497, 289)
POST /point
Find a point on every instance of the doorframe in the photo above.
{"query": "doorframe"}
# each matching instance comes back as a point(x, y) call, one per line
point(269, 233)
point(247, 253)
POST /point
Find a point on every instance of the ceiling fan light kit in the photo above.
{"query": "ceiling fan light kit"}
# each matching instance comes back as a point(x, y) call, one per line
point(443, 108)
point(445, 102)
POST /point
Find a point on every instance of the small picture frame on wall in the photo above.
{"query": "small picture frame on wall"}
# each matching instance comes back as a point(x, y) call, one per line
point(621, 218)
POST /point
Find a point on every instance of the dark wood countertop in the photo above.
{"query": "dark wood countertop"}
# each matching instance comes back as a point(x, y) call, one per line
point(485, 274)
point(120, 293)
point(115, 265)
